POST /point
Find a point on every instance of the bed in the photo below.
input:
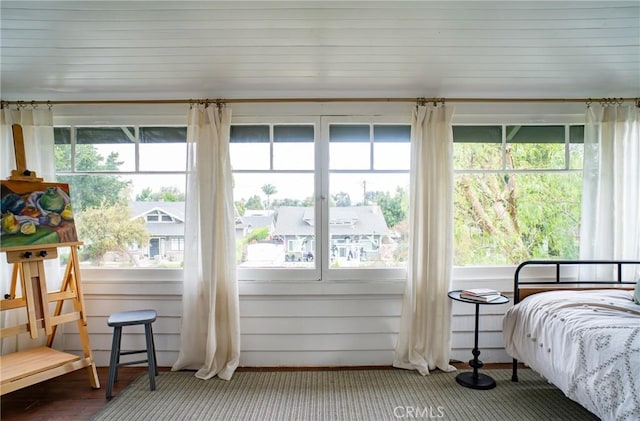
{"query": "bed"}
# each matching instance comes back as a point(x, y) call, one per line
point(584, 338)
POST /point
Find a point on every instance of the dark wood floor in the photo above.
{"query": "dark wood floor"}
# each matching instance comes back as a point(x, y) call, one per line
point(70, 397)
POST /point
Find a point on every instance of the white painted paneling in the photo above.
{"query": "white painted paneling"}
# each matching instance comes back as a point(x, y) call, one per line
point(81, 50)
point(325, 307)
point(330, 325)
point(318, 325)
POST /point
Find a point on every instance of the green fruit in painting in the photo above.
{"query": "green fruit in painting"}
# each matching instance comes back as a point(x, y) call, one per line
point(28, 228)
point(10, 224)
point(51, 200)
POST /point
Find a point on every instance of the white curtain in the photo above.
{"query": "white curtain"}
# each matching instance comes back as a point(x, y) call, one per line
point(210, 334)
point(610, 226)
point(37, 130)
point(424, 340)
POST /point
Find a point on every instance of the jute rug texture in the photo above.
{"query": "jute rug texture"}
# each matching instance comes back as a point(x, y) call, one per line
point(381, 394)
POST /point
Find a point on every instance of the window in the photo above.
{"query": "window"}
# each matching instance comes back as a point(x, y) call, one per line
point(518, 192)
point(324, 197)
point(320, 198)
point(127, 187)
point(368, 175)
point(275, 189)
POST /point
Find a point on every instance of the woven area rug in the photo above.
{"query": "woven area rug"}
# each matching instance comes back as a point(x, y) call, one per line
point(387, 394)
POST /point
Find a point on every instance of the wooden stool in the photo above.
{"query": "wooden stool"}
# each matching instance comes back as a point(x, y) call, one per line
point(130, 318)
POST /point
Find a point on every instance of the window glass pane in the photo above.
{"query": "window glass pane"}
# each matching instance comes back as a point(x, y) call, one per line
point(477, 134)
point(62, 147)
point(535, 147)
point(477, 156)
point(248, 156)
point(507, 218)
point(576, 134)
point(349, 147)
point(391, 147)
point(158, 187)
point(293, 156)
point(274, 220)
point(535, 134)
point(349, 156)
point(349, 133)
point(392, 133)
point(293, 147)
point(368, 220)
point(391, 156)
point(535, 156)
point(108, 135)
point(576, 147)
point(163, 134)
point(293, 133)
point(576, 156)
point(163, 148)
point(112, 148)
point(249, 133)
point(250, 147)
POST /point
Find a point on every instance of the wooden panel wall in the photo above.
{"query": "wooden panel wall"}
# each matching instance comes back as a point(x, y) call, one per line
point(351, 329)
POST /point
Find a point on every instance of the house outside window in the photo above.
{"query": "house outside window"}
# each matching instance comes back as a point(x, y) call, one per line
point(110, 169)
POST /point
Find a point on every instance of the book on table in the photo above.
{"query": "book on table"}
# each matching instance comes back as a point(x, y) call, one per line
point(480, 298)
point(480, 291)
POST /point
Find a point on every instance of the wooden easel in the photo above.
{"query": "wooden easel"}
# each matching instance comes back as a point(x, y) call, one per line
point(24, 368)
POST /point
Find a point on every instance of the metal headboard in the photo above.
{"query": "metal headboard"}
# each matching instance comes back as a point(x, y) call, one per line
point(559, 263)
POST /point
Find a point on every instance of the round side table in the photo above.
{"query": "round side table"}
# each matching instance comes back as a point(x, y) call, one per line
point(473, 379)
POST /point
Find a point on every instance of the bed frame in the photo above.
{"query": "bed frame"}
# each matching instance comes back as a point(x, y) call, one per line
point(522, 289)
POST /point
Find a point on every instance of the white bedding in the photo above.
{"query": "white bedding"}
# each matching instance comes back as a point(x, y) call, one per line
point(587, 343)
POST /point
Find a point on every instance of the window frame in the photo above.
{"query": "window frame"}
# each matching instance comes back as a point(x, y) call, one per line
point(144, 280)
point(289, 274)
point(567, 125)
point(352, 274)
point(72, 123)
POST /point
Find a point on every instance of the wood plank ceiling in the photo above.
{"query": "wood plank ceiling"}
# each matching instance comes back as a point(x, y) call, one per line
point(90, 50)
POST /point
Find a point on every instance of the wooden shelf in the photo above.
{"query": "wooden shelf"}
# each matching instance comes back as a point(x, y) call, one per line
point(24, 368)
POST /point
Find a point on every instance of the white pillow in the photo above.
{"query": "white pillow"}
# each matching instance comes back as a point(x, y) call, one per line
point(636, 295)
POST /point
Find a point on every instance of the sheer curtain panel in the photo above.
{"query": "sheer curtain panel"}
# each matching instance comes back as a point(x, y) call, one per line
point(610, 226)
point(37, 131)
point(424, 339)
point(210, 334)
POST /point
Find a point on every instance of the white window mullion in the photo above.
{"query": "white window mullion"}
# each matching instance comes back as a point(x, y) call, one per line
point(322, 205)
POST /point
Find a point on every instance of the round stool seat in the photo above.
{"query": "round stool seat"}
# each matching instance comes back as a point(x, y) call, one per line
point(135, 317)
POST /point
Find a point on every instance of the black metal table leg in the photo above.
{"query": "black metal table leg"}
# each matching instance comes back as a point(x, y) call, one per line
point(473, 379)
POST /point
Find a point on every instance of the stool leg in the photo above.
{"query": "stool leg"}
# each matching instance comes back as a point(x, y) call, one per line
point(151, 358)
point(115, 377)
point(113, 362)
point(153, 342)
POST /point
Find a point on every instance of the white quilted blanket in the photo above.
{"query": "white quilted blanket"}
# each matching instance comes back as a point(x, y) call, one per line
point(587, 343)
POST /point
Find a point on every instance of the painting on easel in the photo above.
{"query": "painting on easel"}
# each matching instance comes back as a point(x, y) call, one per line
point(36, 213)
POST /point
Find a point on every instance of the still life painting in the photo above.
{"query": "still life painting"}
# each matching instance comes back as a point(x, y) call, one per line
point(36, 213)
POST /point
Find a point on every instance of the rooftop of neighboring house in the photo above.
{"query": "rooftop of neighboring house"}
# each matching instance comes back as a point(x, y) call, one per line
point(252, 222)
point(170, 221)
point(351, 220)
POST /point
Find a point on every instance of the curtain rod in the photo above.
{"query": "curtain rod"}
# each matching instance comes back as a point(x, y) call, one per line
point(315, 100)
